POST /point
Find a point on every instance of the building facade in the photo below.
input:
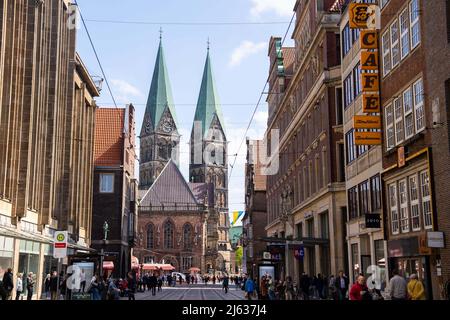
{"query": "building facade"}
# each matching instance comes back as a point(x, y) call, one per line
point(415, 154)
point(115, 187)
point(47, 116)
point(306, 198)
point(366, 246)
point(255, 218)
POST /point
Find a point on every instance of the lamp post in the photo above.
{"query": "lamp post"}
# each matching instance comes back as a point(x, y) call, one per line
point(102, 252)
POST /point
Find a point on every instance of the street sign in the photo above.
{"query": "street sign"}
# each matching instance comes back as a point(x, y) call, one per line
point(435, 240)
point(60, 244)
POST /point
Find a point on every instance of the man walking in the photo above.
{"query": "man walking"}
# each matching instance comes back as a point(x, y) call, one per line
point(8, 284)
point(398, 287)
point(225, 283)
point(153, 281)
point(341, 284)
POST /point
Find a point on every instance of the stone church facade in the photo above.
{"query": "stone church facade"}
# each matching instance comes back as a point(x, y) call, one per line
point(183, 223)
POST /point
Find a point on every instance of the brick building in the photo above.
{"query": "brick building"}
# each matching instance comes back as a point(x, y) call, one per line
point(365, 246)
point(255, 219)
point(415, 155)
point(306, 198)
point(115, 187)
point(47, 115)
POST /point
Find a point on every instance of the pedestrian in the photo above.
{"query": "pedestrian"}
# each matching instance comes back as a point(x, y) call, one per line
point(153, 281)
point(271, 288)
point(289, 287)
point(263, 288)
point(113, 290)
point(160, 283)
point(249, 288)
point(95, 288)
point(398, 287)
point(47, 286)
point(225, 283)
point(342, 285)
point(304, 285)
point(19, 286)
point(131, 286)
point(332, 288)
point(30, 286)
point(319, 286)
point(8, 284)
point(416, 290)
point(359, 290)
point(169, 280)
point(53, 286)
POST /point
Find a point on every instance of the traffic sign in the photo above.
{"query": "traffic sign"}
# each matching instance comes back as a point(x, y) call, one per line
point(60, 245)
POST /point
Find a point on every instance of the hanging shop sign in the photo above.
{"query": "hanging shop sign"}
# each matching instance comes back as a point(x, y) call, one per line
point(368, 138)
point(367, 122)
point(368, 127)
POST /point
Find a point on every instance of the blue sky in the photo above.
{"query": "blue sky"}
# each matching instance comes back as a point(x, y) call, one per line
point(239, 57)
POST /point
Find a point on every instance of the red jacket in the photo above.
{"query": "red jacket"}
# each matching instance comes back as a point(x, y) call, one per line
point(355, 291)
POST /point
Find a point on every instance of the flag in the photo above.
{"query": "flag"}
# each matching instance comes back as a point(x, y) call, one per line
point(236, 216)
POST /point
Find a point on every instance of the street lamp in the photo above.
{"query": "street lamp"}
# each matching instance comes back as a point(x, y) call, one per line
point(102, 252)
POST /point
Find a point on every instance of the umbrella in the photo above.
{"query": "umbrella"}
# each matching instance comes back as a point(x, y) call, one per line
point(149, 267)
point(194, 270)
point(167, 267)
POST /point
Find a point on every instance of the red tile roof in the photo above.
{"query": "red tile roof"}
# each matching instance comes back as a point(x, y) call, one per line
point(108, 143)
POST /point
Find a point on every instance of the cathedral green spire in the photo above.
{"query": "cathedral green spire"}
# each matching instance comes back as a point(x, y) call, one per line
point(160, 95)
point(208, 105)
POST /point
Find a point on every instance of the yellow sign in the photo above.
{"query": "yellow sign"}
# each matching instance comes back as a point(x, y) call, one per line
point(369, 60)
point(60, 237)
point(370, 82)
point(369, 39)
point(401, 157)
point(371, 103)
point(360, 15)
point(368, 138)
point(367, 122)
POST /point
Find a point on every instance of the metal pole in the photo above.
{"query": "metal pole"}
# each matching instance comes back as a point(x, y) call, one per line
point(102, 252)
point(58, 289)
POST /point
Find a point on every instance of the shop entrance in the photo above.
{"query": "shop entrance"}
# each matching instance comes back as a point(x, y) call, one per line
point(414, 265)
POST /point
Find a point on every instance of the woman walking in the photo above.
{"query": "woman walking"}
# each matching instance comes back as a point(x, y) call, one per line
point(19, 287)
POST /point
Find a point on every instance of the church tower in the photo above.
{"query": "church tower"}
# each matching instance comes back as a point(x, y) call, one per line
point(159, 134)
point(209, 161)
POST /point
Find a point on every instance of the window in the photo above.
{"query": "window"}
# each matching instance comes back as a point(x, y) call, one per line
point(150, 236)
point(395, 45)
point(324, 228)
point(346, 39)
point(168, 235)
point(383, 3)
point(353, 202)
point(186, 263)
point(404, 214)
point(375, 189)
point(348, 90)
point(310, 226)
point(364, 198)
point(414, 23)
point(390, 133)
point(300, 231)
point(399, 127)
point(404, 33)
point(357, 85)
point(409, 117)
point(426, 200)
point(393, 208)
point(351, 147)
point(187, 236)
point(386, 49)
point(419, 106)
point(106, 183)
point(414, 200)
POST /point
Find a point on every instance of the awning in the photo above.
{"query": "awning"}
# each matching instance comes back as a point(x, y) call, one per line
point(194, 270)
point(149, 267)
point(167, 267)
point(108, 265)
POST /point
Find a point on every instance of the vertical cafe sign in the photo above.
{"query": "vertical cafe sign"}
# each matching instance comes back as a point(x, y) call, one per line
point(366, 17)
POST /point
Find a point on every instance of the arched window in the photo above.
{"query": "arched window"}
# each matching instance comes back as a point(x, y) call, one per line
point(150, 237)
point(168, 234)
point(187, 236)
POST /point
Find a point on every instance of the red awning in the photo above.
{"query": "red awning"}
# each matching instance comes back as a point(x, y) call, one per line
point(108, 265)
point(149, 267)
point(167, 267)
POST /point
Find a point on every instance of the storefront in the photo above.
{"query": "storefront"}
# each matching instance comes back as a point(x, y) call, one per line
point(407, 256)
point(6, 254)
point(29, 261)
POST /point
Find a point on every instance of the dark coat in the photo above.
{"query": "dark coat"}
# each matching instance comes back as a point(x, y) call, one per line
point(8, 283)
point(337, 283)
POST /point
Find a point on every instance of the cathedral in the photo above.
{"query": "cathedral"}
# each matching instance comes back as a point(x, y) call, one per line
point(183, 223)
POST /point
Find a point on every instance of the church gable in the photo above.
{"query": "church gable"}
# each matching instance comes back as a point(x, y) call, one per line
point(215, 131)
point(169, 189)
point(167, 123)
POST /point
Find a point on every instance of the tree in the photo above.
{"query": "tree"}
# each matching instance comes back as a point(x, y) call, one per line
point(239, 253)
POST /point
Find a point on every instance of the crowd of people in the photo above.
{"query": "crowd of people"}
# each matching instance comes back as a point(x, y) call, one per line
point(267, 288)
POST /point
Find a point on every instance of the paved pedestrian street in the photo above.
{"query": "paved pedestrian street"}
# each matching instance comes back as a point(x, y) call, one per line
point(195, 292)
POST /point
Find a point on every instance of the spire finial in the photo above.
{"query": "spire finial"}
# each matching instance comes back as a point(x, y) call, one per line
point(208, 44)
point(160, 33)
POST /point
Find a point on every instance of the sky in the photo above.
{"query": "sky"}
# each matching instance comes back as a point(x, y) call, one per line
point(239, 33)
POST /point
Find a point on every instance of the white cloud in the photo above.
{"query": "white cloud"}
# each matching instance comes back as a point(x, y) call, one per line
point(282, 8)
point(261, 118)
point(245, 49)
point(125, 92)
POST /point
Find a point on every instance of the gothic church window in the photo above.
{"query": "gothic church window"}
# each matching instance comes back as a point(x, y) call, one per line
point(168, 235)
point(187, 236)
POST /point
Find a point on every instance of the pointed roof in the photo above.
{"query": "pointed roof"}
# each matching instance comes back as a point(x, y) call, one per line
point(208, 105)
point(160, 95)
point(168, 189)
